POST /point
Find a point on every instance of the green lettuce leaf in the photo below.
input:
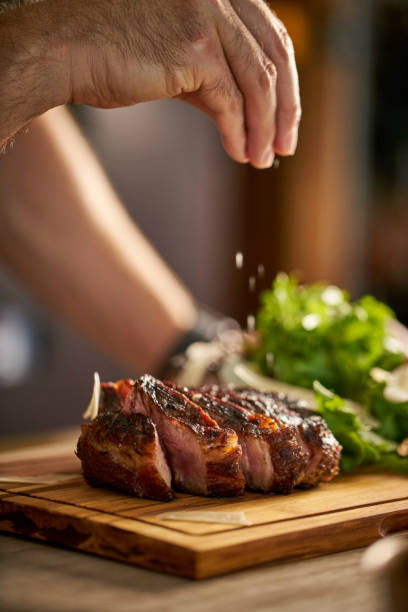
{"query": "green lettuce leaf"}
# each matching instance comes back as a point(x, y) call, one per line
point(392, 416)
point(361, 444)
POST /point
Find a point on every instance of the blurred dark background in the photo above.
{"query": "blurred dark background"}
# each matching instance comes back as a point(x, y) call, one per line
point(337, 211)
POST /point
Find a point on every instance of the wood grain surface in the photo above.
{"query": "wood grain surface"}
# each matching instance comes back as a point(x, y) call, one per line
point(36, 577)
point(57, 506)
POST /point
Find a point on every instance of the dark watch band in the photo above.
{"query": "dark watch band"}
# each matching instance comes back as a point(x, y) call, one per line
point(209, 326)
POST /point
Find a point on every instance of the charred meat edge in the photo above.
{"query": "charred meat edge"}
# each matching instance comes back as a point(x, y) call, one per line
point(123, 451)
point(272, 458)
point(320, 447)
point(204, 459)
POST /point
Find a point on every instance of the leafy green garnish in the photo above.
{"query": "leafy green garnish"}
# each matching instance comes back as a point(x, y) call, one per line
point(361, 445)
point(314, 332)
point(391, 416)
point(394, 463)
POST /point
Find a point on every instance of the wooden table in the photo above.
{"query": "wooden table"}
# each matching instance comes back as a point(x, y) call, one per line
point(37, 576)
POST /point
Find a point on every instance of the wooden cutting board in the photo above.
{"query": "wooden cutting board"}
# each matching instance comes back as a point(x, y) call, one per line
point(56, 505)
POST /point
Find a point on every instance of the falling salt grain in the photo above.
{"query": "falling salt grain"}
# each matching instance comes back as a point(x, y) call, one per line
point(276, 163)
point(252, 283)
point(261, 270)
point(239, 259)
point(250, 323)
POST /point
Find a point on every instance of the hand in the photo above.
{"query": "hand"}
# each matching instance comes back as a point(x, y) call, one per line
point(232, 59)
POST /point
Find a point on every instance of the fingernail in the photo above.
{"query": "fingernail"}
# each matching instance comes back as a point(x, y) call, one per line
point(267, 158)
point(290, 142)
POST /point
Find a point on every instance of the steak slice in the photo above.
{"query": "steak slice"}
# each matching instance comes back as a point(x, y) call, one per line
point(115, 395)
point(204, 459)
point(123, 451)
point(320, 447)
point(325, 451)
point(272, 458)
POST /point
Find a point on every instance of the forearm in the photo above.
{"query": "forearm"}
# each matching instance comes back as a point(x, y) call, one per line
point(64, 232)
point(34, 66)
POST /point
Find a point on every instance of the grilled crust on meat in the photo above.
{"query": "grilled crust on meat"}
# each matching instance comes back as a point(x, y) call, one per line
point(289, 456)
point(324, 463)
point(224, 473)
point(209, 441)
point(123, 451)
point(189, 435)
point(115, 395)
point(321, 449)
point(286, 456)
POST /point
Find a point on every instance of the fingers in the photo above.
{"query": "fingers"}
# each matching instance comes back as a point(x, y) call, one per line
point(228, 117)
point(243, 74)
point(217, 95)
point(272, 36)
point(255, 76)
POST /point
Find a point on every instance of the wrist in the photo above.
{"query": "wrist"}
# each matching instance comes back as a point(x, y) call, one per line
point(208, 326)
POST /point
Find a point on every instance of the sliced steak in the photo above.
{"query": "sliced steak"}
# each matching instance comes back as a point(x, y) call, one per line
point(319, 446)
point(325, 451)
point(204, 458)
point(123, 451)
point(211, 441)
point(272, 458)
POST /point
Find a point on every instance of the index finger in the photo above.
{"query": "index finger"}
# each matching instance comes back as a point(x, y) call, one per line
point(274, 39)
